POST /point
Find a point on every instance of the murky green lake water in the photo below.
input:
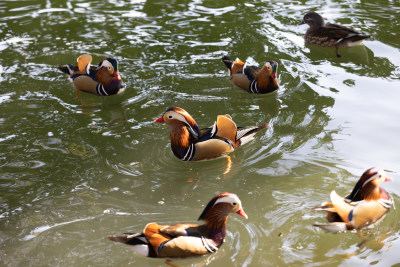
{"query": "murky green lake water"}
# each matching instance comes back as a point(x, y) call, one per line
point(76, 170)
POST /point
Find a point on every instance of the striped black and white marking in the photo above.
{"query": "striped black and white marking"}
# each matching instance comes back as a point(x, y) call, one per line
point(208, 245)
point(189, 153)
point(253, 87)
point(100, 89)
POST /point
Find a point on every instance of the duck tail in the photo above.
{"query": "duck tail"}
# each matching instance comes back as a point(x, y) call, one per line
point(68, 69)
point(130, 239)
point(360, 36)
point(138, 242)
point(325, 206)
point(227, 61)
point(246, 134)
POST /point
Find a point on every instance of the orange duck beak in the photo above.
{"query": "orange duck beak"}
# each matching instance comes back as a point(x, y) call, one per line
point(161, 120)
point(242, 213)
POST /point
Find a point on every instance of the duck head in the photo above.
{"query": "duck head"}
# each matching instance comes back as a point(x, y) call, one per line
point(271, 68)
point(177, 118)
point(313, 19)
point(367, 186)
point(217, 210)
point(107, 70)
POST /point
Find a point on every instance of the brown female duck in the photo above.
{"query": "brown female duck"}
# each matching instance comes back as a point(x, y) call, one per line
point(186, 239)
point(365, 205)
point(330, 35)
point(251, 78)
point(189, 143)
point(103, 80)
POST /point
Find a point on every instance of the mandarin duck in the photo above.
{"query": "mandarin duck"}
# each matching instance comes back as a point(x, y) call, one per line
point(186, 239)
point(103, 80)
point(189, 143)
point(365, 205)
point(330, 35)
point(251, 78)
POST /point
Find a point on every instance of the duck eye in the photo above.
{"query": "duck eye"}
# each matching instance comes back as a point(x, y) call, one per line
point(234, 203)
point(109, 67)
point(170, 117)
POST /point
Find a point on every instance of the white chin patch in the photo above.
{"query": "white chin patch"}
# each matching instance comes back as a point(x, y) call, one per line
point(121, 90)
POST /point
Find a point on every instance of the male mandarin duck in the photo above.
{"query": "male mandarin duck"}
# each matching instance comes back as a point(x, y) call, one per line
point(251, 78)
point(365, 205)
point(330, 35)
point(186, 239)
point(102, 80)
point(189, 143)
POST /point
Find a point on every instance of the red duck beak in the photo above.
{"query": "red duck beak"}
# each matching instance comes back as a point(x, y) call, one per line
point(116, 75)
point(242, 213)
point(274, 79)
point(387, 179)
point(161, 120)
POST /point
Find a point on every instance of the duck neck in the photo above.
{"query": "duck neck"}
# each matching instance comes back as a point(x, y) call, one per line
point(216, 222)
point(264, 82)
point(103, 76)
point(217, 216)
point(182, 143)
point(179, 136)
point(371, 192)
point(313, 27)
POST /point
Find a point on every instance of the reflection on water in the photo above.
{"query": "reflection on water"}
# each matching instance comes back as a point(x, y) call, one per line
point(76, 170)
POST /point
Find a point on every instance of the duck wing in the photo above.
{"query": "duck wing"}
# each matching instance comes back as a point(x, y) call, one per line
point(251, 72)
point(178, 229)
point(340, 33)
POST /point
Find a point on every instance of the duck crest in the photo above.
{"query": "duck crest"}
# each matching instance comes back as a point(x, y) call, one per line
point(211, 204)
point(113, 62)
point(192, 123)
point(364, 189)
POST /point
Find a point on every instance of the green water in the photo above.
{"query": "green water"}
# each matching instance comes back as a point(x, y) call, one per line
point(76, 170)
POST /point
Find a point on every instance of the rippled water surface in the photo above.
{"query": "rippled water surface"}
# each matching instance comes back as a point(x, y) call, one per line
point(76, 170)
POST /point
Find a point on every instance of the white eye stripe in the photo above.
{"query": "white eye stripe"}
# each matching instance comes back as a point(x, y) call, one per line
point(229, 199)
point(379, 174)
point(178, 117)
point(106, 64)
